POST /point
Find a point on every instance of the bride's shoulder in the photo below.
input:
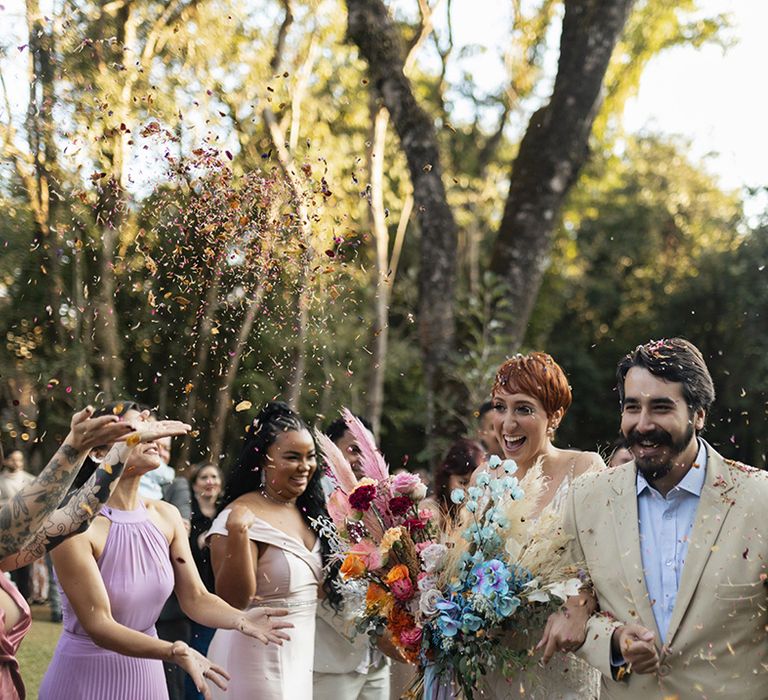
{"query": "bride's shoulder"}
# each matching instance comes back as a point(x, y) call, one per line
point(578, 463)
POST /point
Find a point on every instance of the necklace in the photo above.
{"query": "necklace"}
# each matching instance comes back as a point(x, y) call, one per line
point(264, 493)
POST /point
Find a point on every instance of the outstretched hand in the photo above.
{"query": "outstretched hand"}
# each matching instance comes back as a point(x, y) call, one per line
point(87, 432)
point(261, 624)
point(151, 430)
point(199, 668)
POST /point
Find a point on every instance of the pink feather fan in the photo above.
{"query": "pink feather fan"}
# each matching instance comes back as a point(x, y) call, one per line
point(340, 470)
point(373, 465)
point(371, 462)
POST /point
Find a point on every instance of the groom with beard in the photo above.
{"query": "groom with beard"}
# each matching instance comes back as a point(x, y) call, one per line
point(675, 544)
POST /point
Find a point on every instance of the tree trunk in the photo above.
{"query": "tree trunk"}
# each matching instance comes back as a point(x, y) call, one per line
point(379, 42)
point(106, 325)
point(40, 127)
point(224, 395)
point(381, 270)
point(284, 152)
point(110, 217)
point(299, 360)
point(552, 152)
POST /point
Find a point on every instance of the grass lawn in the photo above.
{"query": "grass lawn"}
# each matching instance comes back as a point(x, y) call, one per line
point(37, 648)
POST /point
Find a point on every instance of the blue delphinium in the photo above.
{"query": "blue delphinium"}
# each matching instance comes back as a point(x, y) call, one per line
point(457, 496)
point(489, 578)
point(487, 589)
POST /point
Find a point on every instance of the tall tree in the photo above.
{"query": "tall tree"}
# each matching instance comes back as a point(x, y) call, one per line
point(380, 42)
point(552, 151)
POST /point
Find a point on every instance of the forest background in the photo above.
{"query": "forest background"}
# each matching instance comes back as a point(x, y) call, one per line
point(207, 204)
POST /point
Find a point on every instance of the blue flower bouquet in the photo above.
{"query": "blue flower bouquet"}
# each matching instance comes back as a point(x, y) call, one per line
point(500, 576)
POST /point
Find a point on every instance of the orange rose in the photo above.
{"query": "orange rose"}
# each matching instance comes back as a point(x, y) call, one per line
point(375, 594)
point(396, 573)
point(353, 567)
point(378, 599)
point(398, 621)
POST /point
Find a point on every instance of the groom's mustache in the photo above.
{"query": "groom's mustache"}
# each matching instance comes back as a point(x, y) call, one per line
point(657, 436)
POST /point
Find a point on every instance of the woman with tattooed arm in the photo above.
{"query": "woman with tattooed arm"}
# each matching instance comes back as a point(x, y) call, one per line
point(32, 523)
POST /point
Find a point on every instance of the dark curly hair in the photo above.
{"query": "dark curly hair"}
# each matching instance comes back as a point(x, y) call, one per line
point(674, 360)
point(246, 476)
point(463, 457)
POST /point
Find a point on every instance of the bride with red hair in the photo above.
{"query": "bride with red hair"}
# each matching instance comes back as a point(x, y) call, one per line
point(530, 398)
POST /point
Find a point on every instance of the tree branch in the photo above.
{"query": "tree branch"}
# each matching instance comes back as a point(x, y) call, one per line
point(553, 151)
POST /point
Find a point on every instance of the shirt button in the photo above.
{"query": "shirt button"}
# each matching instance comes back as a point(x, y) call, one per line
point(668, 516)
point(668, 562)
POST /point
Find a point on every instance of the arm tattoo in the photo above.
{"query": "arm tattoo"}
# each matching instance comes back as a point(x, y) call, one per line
point(23, 516)
point(74, 515)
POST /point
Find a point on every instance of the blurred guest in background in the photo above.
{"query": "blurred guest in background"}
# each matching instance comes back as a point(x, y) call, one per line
point(454, 472)
point(620, 453)
point(486, 434)
point(206, 481)
point(13, 478)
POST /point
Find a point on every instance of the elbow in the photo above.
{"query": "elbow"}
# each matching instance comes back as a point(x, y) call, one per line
point(236, 597)
point(190, 603)
point(99, 630)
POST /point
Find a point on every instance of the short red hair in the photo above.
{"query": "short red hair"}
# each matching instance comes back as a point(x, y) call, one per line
point(538, 375)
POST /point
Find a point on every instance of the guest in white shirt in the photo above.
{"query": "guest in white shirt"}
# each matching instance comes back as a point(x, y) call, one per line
point(347, 666)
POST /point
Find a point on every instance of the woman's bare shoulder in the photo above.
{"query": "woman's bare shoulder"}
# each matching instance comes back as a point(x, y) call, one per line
point(579, 462)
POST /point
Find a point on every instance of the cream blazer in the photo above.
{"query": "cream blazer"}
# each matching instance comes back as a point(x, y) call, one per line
point(717, 642)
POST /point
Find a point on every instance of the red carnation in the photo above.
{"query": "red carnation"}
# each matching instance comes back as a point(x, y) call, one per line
point(415, 524)
point(362, 497)
point(400, 505)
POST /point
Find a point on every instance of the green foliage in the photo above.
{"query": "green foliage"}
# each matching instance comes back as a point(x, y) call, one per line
point(651, 247)
point(647, 237)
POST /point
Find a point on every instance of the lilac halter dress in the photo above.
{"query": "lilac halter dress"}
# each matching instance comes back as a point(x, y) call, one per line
point(137, 572)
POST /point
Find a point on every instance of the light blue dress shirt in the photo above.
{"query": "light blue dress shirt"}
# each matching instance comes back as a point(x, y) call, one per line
point(665, 527)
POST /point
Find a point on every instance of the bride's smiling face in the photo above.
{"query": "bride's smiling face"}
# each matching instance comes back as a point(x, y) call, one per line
point(521, 426)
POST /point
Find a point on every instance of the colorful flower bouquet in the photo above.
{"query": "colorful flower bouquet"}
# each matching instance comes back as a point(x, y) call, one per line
point(381, 536)
point(494, 584)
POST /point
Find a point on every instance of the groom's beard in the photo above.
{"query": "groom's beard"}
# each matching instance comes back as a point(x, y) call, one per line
point(650, 467)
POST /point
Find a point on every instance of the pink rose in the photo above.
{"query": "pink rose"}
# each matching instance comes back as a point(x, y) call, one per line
point(405, 483)
point(368, 551)
point(411, 638)
point(402, 589)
